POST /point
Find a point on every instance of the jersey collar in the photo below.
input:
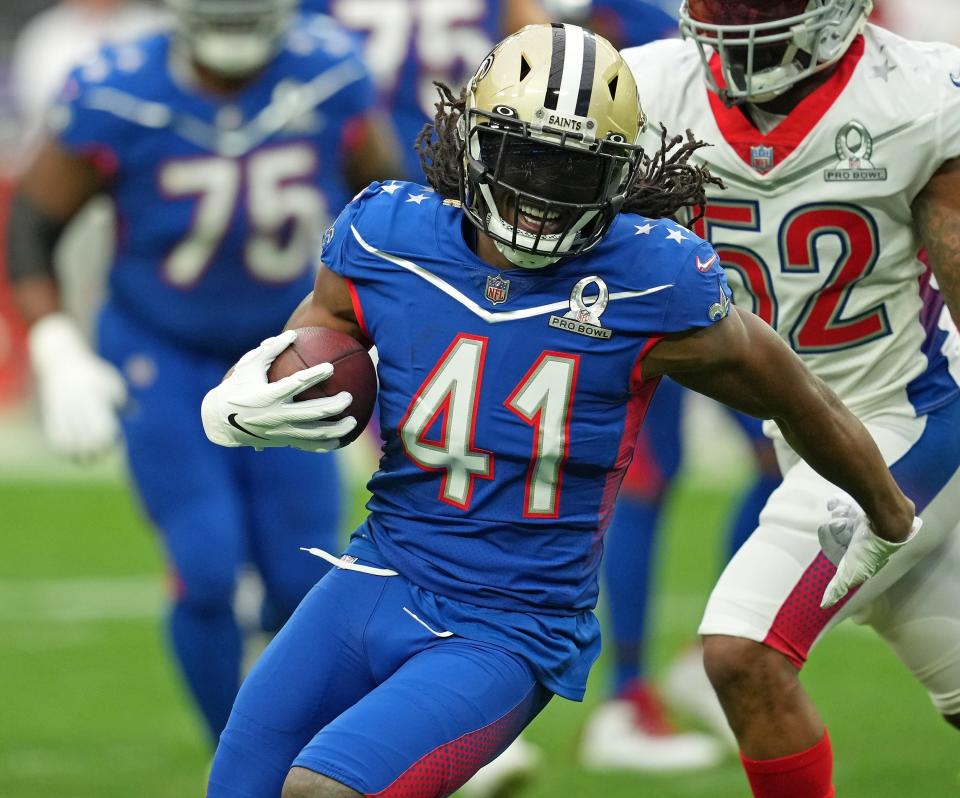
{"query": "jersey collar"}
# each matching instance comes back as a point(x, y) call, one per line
point(752, 145)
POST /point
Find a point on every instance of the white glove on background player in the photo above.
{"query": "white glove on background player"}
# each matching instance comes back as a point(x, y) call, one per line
point(247, 410)
point(80, 392)
point(850, 543)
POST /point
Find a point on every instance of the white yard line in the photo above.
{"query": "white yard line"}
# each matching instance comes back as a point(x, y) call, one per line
point(81, 600)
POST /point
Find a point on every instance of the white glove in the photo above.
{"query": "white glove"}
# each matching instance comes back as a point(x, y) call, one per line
point(246, 410)
point(850, 543)
point(80, 392)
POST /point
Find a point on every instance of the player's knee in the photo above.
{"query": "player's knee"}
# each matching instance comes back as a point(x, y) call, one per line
point(303, 783)
point(953, 720)
point(735, 665)
point(206, 590)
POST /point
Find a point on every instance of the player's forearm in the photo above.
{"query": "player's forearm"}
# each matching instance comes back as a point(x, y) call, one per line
point(937, 217)
point(744, 364)
point(838, 447)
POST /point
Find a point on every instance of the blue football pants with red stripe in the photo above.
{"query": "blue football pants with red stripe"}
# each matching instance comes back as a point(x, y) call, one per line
point(357, 688)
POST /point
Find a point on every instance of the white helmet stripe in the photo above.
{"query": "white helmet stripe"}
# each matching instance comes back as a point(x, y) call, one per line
point(572, 69)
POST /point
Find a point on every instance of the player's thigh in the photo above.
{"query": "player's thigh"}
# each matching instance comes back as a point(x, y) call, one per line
point(293, 500)
point(188, 486)
point(919, 617)
point(312, 671)
point(432, 724)
point(771, 590)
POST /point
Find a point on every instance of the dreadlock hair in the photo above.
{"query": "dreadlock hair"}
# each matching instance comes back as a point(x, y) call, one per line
point(439, 146)
point(666, 185)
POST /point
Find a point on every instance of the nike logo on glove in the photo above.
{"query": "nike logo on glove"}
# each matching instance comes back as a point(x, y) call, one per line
point(705, 267)
point(232, 421)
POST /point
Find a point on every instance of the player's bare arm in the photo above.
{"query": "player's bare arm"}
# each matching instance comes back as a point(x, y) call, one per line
point(375, 153)
point(936, 214)
point(328, 305)
point(519, 13)
point(741, 362)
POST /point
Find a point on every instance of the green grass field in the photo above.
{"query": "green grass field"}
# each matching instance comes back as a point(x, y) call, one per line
point(90, 706)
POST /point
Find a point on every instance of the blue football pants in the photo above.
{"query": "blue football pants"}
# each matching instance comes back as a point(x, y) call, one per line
point(215, 509)
point(355, 687)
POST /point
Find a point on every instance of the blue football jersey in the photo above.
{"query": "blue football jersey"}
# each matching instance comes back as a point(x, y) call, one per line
point(630, 23)
point(219, 199)
point(409, 44)
point(509, 400)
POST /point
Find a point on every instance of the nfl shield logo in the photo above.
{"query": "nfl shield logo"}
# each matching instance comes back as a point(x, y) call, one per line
point(761, 158)
point(497, 289)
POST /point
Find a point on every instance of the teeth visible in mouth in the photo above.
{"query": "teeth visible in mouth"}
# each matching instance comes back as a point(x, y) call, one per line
point(534, 212)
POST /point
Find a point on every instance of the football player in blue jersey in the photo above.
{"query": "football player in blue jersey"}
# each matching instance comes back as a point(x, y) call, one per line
point(222, 145)
point(524, 307)
point(411, 43)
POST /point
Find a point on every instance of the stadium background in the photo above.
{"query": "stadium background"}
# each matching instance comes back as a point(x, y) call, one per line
point(90, 705)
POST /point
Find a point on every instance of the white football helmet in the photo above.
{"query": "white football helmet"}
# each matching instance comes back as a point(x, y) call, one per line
point(767, 46)
point(232, 38)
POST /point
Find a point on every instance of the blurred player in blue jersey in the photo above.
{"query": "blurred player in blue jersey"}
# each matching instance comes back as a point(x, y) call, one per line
point(223, 145)
point(409, 44)
point(627, 22)
point(524, 313)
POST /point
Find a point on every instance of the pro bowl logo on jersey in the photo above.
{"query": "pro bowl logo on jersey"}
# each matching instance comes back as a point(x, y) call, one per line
point(327, 237)
point(761, 158)
point(583, 318)
point(721, 309)
point(854, 149)
point(497, 289)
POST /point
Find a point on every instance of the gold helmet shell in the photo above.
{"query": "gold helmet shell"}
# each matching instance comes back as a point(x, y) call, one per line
point(561, 97)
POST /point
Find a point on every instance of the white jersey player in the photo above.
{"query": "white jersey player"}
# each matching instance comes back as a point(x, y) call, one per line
point(837, 142)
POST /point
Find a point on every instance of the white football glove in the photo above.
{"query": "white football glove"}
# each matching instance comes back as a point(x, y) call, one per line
point(850, 543)
point(79, 392)
point(247, 410)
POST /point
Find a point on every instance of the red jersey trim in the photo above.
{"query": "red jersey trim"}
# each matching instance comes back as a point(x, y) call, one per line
point(740, 133)
point(357, 308)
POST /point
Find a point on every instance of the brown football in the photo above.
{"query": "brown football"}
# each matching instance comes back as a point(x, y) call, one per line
point(353, 371)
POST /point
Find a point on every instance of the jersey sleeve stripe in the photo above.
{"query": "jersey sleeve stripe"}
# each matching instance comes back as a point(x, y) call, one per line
point(357, 308)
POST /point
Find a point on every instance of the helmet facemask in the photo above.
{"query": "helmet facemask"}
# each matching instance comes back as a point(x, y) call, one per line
point(232, 38)
point(540, 193)
point(763, 56)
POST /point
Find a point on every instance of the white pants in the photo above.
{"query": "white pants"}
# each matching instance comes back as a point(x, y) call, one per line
point(771, 590)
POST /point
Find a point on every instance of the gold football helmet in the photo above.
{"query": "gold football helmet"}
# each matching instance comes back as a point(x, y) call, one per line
point(549, 135)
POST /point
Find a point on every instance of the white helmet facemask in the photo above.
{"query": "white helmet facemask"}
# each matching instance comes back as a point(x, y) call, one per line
point(232, 38)
point(810, 42)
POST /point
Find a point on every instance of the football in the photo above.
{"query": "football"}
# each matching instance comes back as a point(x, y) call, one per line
point(353, 371)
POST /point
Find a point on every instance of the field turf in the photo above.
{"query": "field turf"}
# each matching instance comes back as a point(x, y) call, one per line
point(90, 706)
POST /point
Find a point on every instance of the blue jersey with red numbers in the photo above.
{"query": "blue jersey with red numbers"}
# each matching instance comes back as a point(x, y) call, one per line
point(509, 400)
point(219, 198)
point(409, 44)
